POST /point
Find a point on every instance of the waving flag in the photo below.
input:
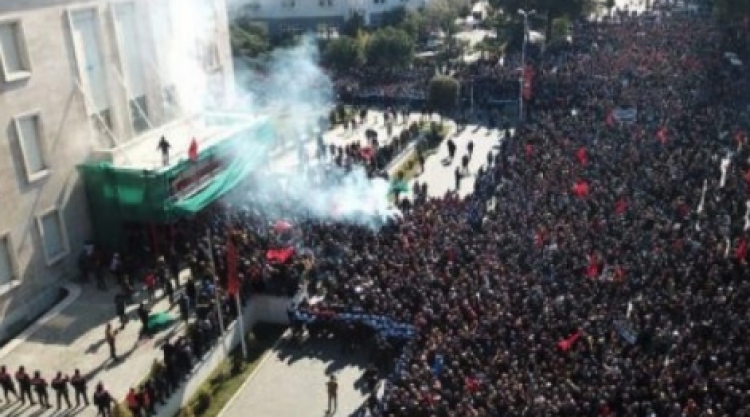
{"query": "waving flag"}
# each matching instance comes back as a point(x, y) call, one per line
point(582, 156)
point(567, 343)
point(193, 150)
point(528, 82)
point(279, 256)
point(741, 252)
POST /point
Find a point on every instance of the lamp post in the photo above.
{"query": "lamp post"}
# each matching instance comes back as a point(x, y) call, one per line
point(525, 15)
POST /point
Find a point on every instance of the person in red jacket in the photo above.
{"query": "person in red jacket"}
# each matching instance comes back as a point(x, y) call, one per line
point(40, 386)
point(131, 400)
point(6, 382)
point(24, 384)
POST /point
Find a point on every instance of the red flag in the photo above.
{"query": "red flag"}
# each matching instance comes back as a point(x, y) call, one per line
point(193, 150)
point(367, 153)
point(233, 279)
point(610, 119)
point(582, 157)
point(621, 206)
point(529, 150)
point(528, 80)
point(592, 270)
point(279, 256)
point(568, 342)
point(741, 252)
point(662, 135)
point(581, 188)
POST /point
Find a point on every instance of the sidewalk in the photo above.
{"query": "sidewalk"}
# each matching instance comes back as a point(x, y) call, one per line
point(71, 336)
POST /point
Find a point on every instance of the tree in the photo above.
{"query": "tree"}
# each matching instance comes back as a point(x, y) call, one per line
point(443, 93)
point(442, 14)
point(248, 39)
point(354, 25)
point(344, 52)
point(415, 24)
point(390, 47)
point(560, 30)
point(550, 9)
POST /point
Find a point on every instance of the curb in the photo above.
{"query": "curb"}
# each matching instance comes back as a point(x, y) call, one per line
point(74, 291)
point(251, 377)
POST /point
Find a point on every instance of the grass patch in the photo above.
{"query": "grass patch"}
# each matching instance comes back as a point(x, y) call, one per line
point(228, 378)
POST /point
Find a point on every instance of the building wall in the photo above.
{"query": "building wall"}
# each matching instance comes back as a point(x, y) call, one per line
point(311, 15)
point(69, 131)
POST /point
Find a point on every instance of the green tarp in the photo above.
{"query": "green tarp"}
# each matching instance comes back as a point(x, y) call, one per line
point(117, 195)
point(240, 167)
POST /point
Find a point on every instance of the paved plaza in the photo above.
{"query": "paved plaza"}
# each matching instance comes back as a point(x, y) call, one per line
point(291, 382)
point(72, 337)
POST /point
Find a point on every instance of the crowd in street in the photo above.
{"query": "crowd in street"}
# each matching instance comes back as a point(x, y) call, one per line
point(599, 269)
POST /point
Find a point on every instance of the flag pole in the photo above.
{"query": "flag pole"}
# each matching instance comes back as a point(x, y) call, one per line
point(241, 323)
point(217, 300)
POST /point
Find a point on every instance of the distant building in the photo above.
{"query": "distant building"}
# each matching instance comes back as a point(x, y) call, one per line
point(80, 79)
point(323, 17)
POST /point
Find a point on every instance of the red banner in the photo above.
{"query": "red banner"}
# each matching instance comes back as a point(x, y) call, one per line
point(279, 256)
point(528, 82)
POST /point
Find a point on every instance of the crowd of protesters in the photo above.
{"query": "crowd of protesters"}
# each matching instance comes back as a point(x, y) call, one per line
point(598, 269)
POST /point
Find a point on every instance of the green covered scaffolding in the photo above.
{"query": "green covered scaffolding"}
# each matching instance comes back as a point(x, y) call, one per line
point(120, 195)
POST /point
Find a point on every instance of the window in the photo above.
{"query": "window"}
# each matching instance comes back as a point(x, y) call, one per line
point(84, 26)
point(30, 141)
point(129, 44)
point(7, 266)
point(211, 60)
point(139, 114)
point(170, 105)
point(13, 55)
point(53, 234)
point(103, 120)
point(326, 3)
point(288, 4)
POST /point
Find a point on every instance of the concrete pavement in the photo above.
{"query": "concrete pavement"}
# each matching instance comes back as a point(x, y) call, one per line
point(439, 173)
point(291, 382)
point(72, 338)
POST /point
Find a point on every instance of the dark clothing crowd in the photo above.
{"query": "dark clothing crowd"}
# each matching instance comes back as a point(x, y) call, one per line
point(600, 267)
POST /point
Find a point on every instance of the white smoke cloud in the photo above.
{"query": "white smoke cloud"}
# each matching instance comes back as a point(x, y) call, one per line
point(290, 89)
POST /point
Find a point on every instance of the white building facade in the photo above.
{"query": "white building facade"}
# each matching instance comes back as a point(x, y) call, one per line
point(77, 78)
point(318, 16)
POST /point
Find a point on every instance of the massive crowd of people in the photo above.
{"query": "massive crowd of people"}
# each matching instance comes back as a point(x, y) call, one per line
point(598, 268)
point(607, 276)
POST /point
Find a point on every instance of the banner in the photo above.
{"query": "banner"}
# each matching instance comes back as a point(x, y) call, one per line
point(625, 115)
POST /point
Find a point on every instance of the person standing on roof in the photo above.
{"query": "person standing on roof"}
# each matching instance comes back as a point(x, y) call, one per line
point(164, 147)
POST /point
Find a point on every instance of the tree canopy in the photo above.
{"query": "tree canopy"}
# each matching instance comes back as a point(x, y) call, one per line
point(443, 92)
point(344, 53)
point(390, 47)
point(248, 39)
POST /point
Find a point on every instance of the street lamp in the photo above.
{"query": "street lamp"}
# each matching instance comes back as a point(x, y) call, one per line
point(525, 15)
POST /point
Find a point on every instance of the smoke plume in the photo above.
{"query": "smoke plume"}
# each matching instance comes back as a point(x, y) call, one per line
point(291, 91)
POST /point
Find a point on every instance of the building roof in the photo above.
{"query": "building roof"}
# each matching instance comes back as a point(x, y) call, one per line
point(207, 129)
